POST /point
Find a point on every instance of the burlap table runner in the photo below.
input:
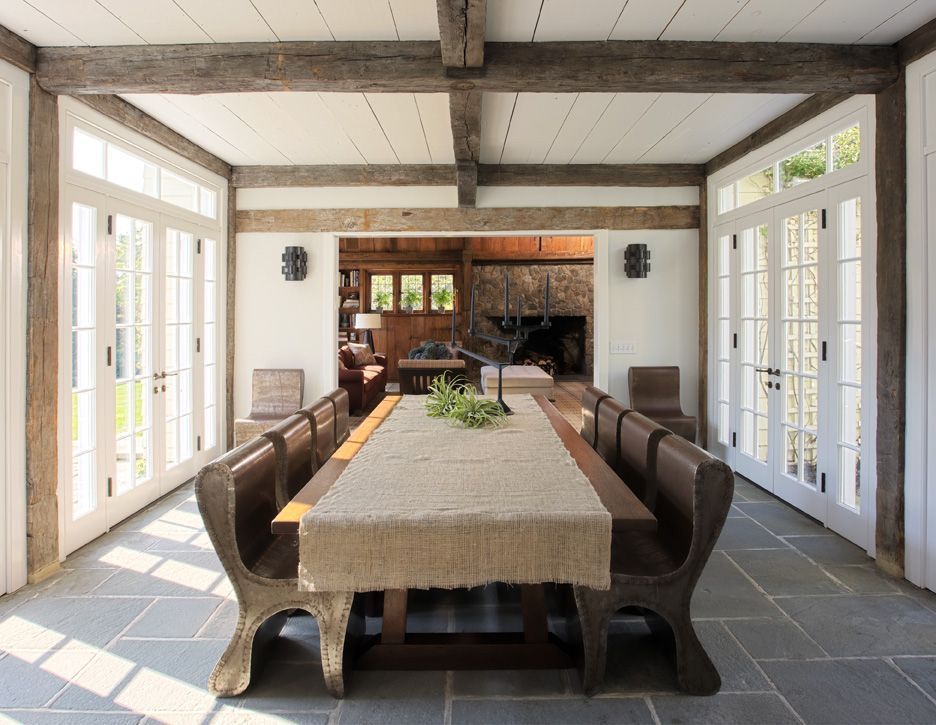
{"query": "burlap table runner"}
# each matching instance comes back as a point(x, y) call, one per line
point(424, 505)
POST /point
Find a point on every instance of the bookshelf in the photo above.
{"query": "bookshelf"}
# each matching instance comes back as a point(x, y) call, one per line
point(350, 302)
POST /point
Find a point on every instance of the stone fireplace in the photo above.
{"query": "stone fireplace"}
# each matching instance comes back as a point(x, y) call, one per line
point(569, 342)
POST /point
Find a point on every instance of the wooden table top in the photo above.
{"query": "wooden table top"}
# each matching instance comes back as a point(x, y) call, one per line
point(627, 511)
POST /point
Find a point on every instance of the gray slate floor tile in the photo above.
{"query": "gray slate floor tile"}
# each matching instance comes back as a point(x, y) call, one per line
point(288, 686)
point(510, 683)
point(780, 518)
point(773, 639)
point(723, 591)
point(745, 533)
point(785, 573)
point(855, 626)
point(850, 691)
point(536, 712)
point(747, 491)
point(863, 579)
point(31, 679)
point(393, 697)
point(174, 618)
point(922, 670)
point(60, 717)
point(737, 669)
point(638, 661)
point(829, 549)
point(726, 709)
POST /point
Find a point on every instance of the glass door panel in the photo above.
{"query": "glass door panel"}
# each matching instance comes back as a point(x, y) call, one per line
point(723, 340)
point(179, 343)
point(209, 344)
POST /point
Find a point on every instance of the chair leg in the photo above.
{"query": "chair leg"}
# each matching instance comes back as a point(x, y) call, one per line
point(695, 671)
point(231, 675)
point(333, 614)
point(594, 616)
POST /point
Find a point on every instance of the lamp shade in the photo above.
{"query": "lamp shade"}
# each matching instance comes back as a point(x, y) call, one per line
point(367, 321)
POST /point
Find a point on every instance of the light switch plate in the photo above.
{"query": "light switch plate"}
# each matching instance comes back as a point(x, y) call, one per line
point(623, 348)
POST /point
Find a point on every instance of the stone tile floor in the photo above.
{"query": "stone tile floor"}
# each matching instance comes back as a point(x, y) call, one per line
point(798, 621)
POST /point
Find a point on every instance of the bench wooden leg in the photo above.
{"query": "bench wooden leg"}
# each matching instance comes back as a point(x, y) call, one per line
point(595, 613)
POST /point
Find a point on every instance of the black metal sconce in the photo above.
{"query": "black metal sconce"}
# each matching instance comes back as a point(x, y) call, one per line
point(295, 264)
point(636, 260)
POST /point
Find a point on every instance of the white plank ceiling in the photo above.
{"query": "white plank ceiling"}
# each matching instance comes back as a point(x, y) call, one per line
point(116, 22)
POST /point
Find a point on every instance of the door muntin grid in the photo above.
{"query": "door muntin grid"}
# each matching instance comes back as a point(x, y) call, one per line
point(179, 345)
point(209, 343)
point(849, 329)
point(754, 342)
point(800, 342)
point(723, 336)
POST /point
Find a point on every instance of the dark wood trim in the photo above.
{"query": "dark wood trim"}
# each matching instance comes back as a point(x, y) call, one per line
point(261, 177)
point(465, 117)
point(393, 628)
point(591, 175)
point(17, 51)
point(789, 121)
point(891, 190)
point(42, 336)
point(703, 316)
point(920, 42)
point(230, 317)
point(461, 30)
point(467, 651)
point(132, 117)
point(639, 66)
point(468, 220)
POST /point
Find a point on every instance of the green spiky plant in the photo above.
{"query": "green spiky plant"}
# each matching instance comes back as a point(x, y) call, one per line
point(459, 403)
point(443, 395)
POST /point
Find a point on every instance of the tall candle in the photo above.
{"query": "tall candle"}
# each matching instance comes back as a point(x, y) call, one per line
point(519, 310)
point(546, 310)
point(471, 327)
point(454, 300)
point(506, 297)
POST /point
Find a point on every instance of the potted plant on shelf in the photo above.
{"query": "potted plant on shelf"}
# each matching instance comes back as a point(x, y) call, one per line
point(410, 299)
point(381, 300)
point(442, 298)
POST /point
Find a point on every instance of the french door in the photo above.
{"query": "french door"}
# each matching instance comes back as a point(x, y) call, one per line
point(141, 359)
point(789, 354)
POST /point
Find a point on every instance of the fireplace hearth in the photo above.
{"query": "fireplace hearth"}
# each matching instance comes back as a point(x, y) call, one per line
point(559, 350)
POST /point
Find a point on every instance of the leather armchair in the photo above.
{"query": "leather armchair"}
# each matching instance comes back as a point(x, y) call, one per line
point(654, 391)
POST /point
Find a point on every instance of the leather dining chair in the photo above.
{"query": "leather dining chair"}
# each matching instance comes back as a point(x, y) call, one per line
point(654, 391)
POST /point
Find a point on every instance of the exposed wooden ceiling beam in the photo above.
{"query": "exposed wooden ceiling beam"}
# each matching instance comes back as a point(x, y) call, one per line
point(16, 50)
point(591, 175)
point(461, 29)
point(918, 43)
point(260, 177)
point(465, 116)
point(468, 219)
point(119, 110)
point(795, 117)
point(415, 66)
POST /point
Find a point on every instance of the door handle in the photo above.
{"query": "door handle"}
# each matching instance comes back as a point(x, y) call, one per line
point(769, 371)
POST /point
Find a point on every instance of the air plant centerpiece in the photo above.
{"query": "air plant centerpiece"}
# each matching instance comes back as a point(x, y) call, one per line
point(458, 402)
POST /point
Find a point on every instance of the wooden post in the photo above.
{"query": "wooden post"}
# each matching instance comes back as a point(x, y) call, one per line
point(891, 188)
point(231, 280)
point(42, 337)
point(703, 315)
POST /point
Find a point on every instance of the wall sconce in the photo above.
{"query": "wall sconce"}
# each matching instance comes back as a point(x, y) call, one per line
point(295, 264)
point(636, 260)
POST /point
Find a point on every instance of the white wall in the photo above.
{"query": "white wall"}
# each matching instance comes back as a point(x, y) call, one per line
point(659, 314)
point(280, 324)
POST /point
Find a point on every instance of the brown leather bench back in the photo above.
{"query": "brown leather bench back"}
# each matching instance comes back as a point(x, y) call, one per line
point(693, 497)
point(294, 443)
point(341, 400)
point(591, 399)
point(607, 422)
point(321, 414)
point(639, 440)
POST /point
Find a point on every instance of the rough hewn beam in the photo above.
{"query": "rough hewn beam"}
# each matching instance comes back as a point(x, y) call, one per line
point(890, 158)
point(16, 50)
point(465, 116)
point(416, 66)
point(132, 117)
point(792, 119)
point(230, 318)
point(918, 43)
point(591, 175)
point(260, 177)
point(468, 219)
point(461, 29)
point(42, 336)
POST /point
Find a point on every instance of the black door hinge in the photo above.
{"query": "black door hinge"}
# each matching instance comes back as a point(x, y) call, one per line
point(823, 218)
point(824, 350)
point(110, 486)
point(734, 440)
point(734, 241)
point(822, 482)
point(198, 246)
point(197, 443)
point(734, 340)
point(109, 356)
point(110, 224)
point(197, 344)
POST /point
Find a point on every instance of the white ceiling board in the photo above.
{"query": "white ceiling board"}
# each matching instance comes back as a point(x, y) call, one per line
point(415, 19)
point(568, 20)
point(586, 111)
point(434, 114)
point(174, 26)
point(308, 110)
point(88, 20)
point(358, 20)
point(399, 118)
point(192, 128)
point(228, 21)
point(702, 19)
point(844, 21)
point(39, 29)
point(766, 20)
point(294, 19)
point(619, 117)
point(901, 24)
point(537, 119)
point(512, 20)
point(290, 139)
point(354, 115)
point(667, 112)
point(496, 110)
point(645, 19)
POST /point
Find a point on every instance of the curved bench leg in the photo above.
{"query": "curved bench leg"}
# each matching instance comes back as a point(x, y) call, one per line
point(231, 675)
point(695, 671)
point(594, 615)
point(333, 615)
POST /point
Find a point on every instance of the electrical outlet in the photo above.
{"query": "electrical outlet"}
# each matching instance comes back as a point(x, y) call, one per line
point(623, 348)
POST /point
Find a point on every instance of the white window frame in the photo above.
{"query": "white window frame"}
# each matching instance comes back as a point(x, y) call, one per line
point(858, 109)
point(72, 114)
point(13, 200)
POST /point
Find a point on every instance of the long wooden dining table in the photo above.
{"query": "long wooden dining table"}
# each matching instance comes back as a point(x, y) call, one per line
point(535, 646)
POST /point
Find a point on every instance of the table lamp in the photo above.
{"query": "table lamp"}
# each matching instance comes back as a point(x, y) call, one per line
point(368, 321)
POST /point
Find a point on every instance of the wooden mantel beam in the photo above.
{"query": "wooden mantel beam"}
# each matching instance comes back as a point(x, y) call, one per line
point(461, 29)
point(416, 66)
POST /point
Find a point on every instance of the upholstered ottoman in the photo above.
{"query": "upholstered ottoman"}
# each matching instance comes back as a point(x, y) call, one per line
point(518, 379)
